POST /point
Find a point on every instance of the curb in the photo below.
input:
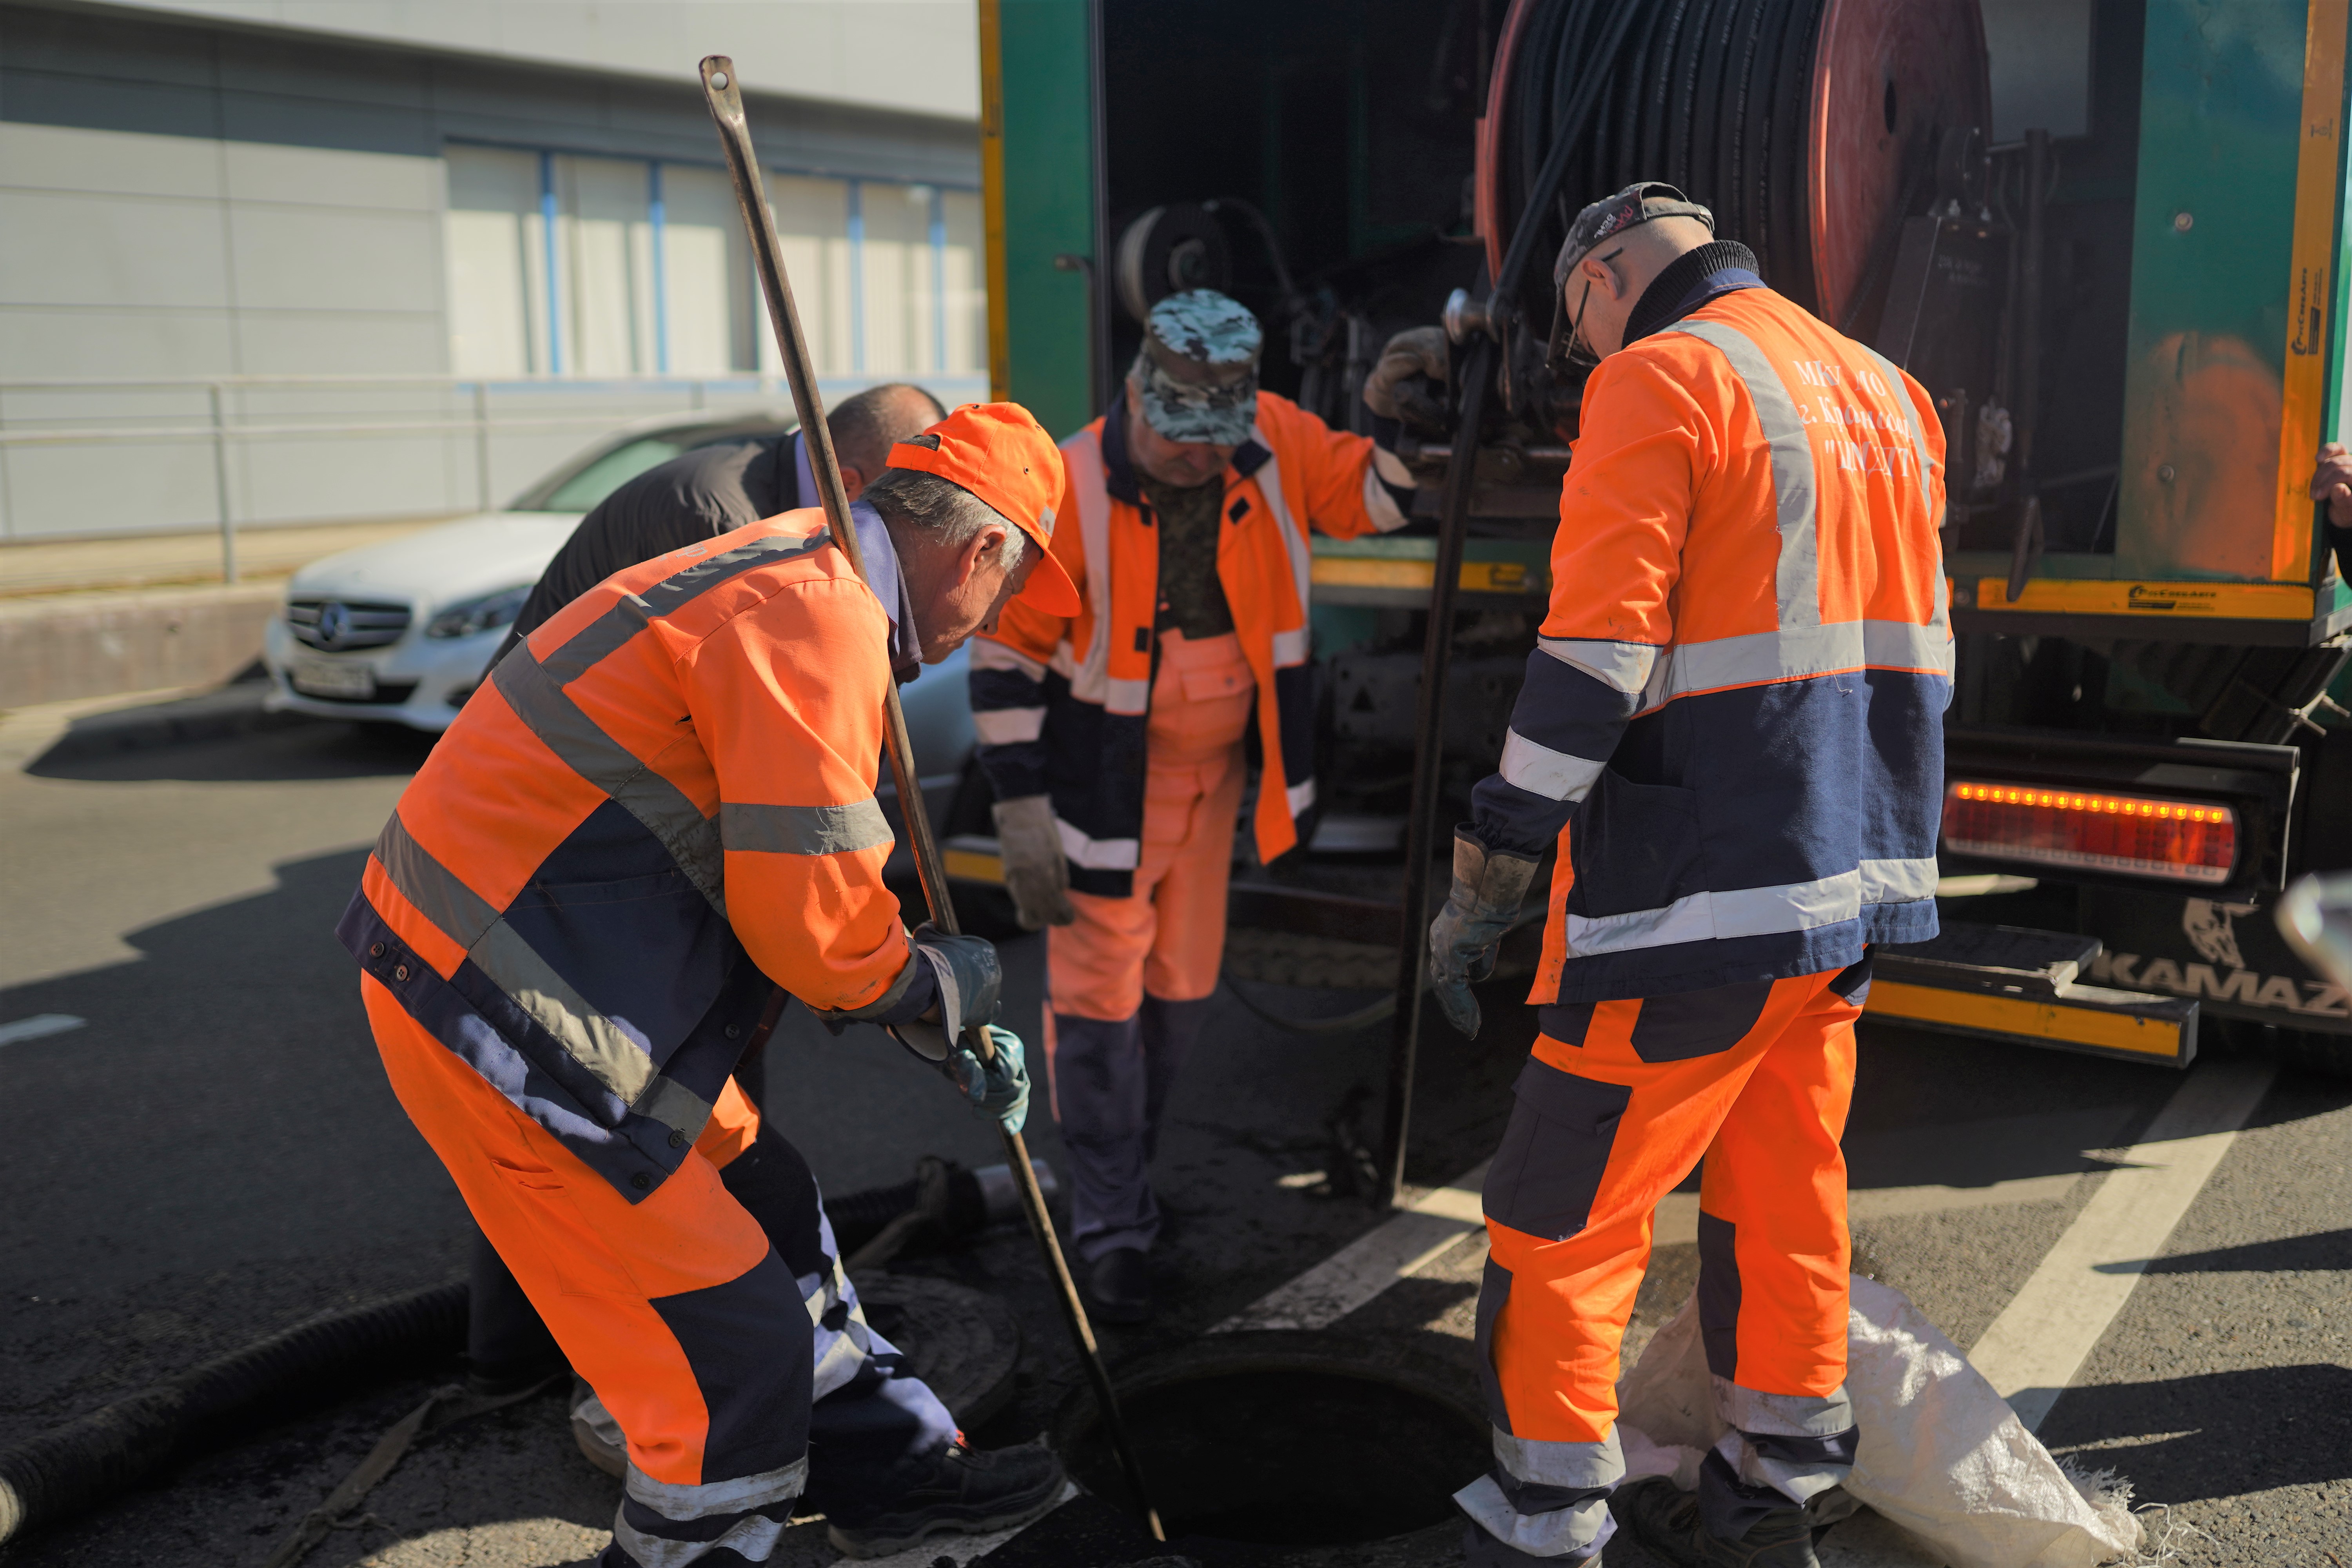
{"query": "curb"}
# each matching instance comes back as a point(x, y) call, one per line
point(70, 647)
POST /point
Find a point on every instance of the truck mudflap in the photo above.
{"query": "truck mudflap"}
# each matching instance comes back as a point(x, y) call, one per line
point(2019, 985)
point(2228, 955)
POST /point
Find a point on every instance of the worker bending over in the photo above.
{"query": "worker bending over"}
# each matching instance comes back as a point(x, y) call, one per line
point(1113, 732)
point(698, 495)
point(719, 487)
point(661, 807)
point(1731, 728)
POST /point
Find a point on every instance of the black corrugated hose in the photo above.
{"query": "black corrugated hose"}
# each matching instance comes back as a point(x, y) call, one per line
point(1708, 95)
point(86, 1461)
point(67, 1469)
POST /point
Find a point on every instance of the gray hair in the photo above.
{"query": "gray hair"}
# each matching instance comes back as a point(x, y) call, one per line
point(948, 514)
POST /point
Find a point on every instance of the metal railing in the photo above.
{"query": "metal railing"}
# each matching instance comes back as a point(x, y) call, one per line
point(644, 397)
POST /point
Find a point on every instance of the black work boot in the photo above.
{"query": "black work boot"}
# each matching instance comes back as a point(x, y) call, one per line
point(1120, 1283)
point(1665, 1519)
point(967, 1493)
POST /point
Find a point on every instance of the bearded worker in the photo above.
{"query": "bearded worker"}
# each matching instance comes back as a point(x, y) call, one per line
point(1731, 730)
point(1113, 735)
point(659, 808)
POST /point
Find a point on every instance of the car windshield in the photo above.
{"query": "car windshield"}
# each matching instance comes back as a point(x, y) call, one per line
point(600, 479)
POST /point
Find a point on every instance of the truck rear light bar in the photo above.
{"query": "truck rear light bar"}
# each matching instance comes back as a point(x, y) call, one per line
point(2187, 842)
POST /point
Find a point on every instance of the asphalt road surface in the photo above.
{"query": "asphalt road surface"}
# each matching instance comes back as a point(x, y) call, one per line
point(208, 1152)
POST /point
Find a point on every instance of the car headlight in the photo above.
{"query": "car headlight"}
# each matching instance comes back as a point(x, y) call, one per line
point(488, 612)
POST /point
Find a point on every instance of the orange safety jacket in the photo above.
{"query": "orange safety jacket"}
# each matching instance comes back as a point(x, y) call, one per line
point(1733, 721)
point(659, 804)
point(1060, 704)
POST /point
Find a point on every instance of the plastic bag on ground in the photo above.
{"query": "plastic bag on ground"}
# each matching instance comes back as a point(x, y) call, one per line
point(1941, 1454)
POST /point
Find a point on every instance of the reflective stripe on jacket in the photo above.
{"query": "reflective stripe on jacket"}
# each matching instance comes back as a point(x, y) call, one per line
point(1060, 703)
point(1732, 723)
point(659, 802)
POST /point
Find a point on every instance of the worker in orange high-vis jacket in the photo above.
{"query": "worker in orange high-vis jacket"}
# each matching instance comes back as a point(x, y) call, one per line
point(1731, 730)
point(1113, 735)
point(659, 808)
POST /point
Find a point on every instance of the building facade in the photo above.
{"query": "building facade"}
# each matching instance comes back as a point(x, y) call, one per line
point(494, 209)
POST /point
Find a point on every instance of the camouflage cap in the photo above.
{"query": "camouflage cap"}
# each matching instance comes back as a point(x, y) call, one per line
point(1197, 371)
point(1636, 204)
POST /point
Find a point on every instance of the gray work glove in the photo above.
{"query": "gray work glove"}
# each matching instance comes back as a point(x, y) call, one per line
point(999, 1087)
point(970, 977)
point(1036, 872)
point(1391, 390)
point(1488, 887)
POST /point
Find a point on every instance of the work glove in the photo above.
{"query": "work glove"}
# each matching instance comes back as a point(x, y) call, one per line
point(998, 1087)
point(1391, 390)
point(1036, 872)
point(1488, 887)
point(969, 978)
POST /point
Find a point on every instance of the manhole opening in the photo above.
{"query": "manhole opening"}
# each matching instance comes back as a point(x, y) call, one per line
point(1291, 1456)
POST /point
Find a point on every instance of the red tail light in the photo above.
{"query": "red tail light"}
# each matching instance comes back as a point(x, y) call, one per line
point(2175, 840)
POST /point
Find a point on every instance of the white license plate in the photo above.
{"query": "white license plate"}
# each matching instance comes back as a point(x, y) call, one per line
point(316, 677)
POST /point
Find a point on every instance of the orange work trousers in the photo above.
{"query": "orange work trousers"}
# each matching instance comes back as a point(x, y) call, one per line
point(1618, 1101)
point(1131, 978)
point(708, 1344)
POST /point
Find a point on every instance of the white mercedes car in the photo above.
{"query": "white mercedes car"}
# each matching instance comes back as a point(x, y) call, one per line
point(401, 631)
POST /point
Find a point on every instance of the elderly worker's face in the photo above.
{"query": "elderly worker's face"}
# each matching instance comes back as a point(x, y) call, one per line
point(1182, 464)
point(960, 592)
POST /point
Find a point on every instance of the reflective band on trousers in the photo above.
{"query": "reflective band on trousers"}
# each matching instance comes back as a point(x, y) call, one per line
point(1755, 911)
point(511, 964)
point(1558, 1532)
point(751, 1540)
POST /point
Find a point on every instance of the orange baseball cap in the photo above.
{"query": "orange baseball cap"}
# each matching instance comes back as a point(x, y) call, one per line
point(1000, 453)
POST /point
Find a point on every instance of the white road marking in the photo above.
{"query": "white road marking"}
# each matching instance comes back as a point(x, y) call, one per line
point(38, 1025)
point(1372, 1263)
point(2032, 1350)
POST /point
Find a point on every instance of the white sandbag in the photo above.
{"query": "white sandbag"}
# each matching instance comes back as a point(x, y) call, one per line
point(1939, 1452)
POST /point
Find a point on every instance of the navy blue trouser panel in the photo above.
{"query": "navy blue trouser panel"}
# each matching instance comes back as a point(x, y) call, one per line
point(866, 1438)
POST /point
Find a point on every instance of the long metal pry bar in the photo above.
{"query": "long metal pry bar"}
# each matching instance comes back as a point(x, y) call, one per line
point(725, 98)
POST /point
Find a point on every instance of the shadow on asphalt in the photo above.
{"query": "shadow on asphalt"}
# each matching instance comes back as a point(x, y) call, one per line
point(215, 1156)
point(2219, 1435)
point(2330, 1249)
point(224, 736)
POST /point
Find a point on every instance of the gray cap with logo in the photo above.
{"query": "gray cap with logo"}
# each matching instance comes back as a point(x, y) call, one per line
point(1629, 208)
point(1197, 372)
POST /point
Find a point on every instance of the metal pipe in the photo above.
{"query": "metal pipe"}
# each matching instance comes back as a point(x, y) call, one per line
point(1421, 826)
point(482, 442)
point(723, 94)
point(2026, 543)
point(220, 486)
point(1437, 653)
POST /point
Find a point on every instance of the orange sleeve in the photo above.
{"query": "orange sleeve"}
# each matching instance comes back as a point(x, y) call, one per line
point(1625, 504)
point(787, 700)
point(1332, 470)
point(1931, 425)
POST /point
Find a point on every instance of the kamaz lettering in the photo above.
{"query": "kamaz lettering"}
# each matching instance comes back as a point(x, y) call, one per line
point(2240, 987)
